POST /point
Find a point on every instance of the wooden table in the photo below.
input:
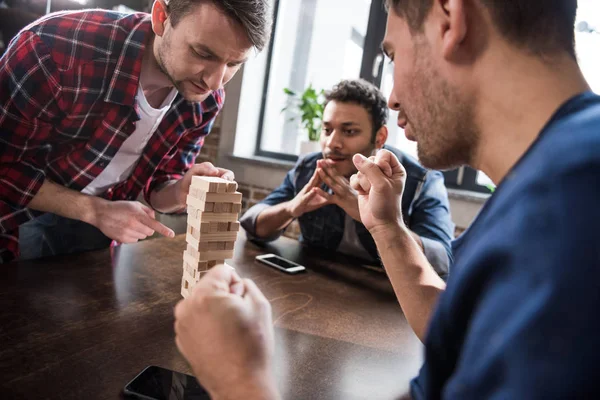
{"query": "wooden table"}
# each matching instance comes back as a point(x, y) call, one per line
point(81, 326)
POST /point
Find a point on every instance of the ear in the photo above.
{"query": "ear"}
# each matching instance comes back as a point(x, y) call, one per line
point(381, 137)
point(453, 25)
point(159, 17)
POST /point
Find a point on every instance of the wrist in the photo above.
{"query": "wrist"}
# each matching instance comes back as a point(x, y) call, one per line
point(389, 231)
point(88, 209)
point(258, 386)
point(288, 210)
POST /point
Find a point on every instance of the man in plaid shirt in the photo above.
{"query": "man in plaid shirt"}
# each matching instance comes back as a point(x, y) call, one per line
point(98, 106)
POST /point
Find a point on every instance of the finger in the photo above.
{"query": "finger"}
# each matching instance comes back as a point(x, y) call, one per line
point(355, 184)
point(323, 194)
point(388, 162)
point(134, 233)
point(226, 174)
point(254, 295)
point(150, 212)
point(143, 229)
point(315, 180)
point(158, 227)
point(308, 197)
point(238, 289)
point(205, 169)
point(179, 311)
point(126, 239)
point(369, 171)
point(218, 279)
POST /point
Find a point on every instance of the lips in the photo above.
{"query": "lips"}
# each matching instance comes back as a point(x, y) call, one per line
point(199, 87)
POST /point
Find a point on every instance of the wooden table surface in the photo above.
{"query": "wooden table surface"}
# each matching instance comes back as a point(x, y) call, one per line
point(81, 326)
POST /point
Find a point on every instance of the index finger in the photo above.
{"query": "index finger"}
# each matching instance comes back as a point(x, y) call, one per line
point(389, 163)
point(158, 227)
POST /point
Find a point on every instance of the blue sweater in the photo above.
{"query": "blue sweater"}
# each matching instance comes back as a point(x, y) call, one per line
point(520, 316)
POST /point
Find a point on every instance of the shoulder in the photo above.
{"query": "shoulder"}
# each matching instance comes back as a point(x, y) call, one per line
point(80, 36)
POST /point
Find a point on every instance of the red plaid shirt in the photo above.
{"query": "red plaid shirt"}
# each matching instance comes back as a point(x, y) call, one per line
point(67, 94)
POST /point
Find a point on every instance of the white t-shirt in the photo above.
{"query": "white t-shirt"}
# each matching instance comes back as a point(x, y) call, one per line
point(121, 166)
point(351, 244)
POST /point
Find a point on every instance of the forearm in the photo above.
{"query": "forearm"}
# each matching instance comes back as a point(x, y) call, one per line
point(65, 202)
point(416, 284)
point(260, 388)
point(168, 199)
point(273, 219)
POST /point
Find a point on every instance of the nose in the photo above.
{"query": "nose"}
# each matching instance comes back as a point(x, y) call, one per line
point(334, 140)
point(214, 78)
point(393, 103)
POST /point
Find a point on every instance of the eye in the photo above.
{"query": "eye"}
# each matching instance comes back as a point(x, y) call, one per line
point(326, 131)
point(351, 132)
point(202, 56)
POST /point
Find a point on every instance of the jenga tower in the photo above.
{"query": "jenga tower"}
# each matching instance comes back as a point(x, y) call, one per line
point(213, 209)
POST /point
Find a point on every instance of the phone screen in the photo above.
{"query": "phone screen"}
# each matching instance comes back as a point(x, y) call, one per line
point(282, 262)
point(162, 384)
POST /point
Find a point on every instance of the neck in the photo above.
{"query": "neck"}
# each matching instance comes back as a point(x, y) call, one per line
point(519, 97)
point(155, 84)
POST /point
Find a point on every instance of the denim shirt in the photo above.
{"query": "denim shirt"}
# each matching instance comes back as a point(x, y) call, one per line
point(425, 209)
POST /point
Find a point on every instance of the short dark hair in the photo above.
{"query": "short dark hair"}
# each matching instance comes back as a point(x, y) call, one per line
point(365, 94)
point(544, 27)
point(254, 16)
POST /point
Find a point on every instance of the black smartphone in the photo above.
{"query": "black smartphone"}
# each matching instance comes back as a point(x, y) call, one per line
point(275, 261)
point(156, 383)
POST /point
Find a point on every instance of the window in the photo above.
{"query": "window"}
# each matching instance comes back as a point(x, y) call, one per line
point(318, 43)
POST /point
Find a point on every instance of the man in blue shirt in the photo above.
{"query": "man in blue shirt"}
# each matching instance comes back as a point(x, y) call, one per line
point(354, 121)
point(494, 84)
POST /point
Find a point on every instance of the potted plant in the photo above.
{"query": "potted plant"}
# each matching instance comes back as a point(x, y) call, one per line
point(308, 106)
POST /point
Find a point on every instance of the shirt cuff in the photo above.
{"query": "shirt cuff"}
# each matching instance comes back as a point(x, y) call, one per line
point(437, 256)
point(248, 222)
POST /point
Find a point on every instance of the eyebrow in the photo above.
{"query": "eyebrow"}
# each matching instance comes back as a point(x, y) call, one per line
point(204, 48)
point(344, 124)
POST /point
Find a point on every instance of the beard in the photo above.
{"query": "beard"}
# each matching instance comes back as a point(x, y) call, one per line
point(441, 118)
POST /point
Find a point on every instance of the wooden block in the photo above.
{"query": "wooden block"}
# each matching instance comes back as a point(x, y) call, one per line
point(227, 236)
point(193, 191)
point(229, 245)
point(234, 226)
point(235, 197)
point(236, 208)
point(216, 255)
point(216, 217)
point(194, 262)
point(214, 263)
point(213, 227)
point(185, 293)
point(209, 207)
point(231, 187)
point(196, 223)
point(210, 184)
point(223, 226)
point(223, 207)
point(197, 202)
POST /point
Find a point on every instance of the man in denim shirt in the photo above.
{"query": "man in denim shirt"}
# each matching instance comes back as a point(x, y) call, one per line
point(318, 193)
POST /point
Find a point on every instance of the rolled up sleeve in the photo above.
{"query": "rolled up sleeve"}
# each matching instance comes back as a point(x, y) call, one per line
point(285, 192)
point(431, 220)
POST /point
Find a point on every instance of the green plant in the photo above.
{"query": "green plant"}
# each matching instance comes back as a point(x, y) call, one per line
point(309, 105)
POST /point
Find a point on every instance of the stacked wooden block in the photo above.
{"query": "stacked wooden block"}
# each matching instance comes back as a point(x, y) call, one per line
point(213, 209)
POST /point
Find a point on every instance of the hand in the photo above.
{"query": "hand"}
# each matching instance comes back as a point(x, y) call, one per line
point(225, 331)
point(126, 221)
point(204, 169)
point(308, 199)
point(343, 195)
point(379, 183)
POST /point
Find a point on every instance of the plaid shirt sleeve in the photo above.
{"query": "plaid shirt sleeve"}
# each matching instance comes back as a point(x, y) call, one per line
point(184, 154)
point(29, 102)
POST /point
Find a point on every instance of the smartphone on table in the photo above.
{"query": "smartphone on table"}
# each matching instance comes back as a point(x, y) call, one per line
point(282, 264)
point(156, 383)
